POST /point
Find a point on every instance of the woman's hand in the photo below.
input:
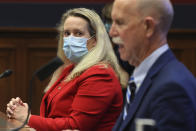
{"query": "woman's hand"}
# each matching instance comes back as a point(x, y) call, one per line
point(17, 109)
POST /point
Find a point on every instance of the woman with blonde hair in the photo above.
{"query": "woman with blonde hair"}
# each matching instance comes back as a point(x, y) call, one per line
point(85, 94)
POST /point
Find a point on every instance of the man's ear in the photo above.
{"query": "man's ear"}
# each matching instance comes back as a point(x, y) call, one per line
point(149, 24)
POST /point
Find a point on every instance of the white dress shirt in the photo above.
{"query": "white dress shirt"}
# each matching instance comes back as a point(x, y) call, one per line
point(141, 71)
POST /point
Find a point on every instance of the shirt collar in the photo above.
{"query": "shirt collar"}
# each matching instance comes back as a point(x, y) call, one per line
point(141, 71)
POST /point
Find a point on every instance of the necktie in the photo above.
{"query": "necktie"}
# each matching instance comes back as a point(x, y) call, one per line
point(130, 94)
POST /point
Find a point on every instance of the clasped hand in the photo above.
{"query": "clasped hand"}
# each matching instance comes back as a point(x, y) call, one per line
point(16, 109)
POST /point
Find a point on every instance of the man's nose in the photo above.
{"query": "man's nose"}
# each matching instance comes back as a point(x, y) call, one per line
point(112, 31)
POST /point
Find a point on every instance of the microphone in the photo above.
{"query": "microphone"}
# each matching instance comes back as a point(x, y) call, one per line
point(41, 73)
point(49, 68)
point(6, 73)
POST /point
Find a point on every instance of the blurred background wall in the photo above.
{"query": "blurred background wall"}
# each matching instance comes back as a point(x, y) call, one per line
point(28, 40)
point(46, 13)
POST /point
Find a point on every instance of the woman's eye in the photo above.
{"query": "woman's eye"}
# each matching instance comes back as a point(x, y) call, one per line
point(78, 33)
point(66, 33)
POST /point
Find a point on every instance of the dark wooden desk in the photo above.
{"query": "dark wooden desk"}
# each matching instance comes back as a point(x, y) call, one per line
point(9, 124)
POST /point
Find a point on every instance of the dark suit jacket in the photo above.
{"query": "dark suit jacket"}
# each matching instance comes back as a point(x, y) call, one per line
point(167, 95)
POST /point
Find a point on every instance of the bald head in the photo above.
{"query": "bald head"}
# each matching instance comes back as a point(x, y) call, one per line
point(161, 10)
point(142, 26)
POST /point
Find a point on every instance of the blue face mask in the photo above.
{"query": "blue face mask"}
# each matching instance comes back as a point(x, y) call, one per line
point(75, 48)
point(107, 26)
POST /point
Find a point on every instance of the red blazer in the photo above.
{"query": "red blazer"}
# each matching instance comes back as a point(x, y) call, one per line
point(90, 102)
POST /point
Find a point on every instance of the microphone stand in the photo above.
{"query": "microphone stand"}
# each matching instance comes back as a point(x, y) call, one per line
point(42, 73)
point(29, 103)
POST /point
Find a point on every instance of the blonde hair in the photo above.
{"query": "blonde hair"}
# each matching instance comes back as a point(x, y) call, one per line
point(102, 52)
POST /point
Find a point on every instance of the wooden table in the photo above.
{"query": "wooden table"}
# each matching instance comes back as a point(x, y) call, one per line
point(10, 124)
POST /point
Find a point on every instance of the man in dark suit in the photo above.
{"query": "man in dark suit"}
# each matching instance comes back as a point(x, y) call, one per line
point(164, 93)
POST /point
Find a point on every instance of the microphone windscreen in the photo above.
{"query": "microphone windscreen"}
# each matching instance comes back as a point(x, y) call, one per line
point(6, 73)
point(49, 68)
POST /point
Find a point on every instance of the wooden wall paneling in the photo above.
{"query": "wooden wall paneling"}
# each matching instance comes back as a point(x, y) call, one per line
point(37, 58)
point(41, 49)
point(183, 43)
point(21, 79)
point(7, 61)
point(24, 50)
point(27, 49)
